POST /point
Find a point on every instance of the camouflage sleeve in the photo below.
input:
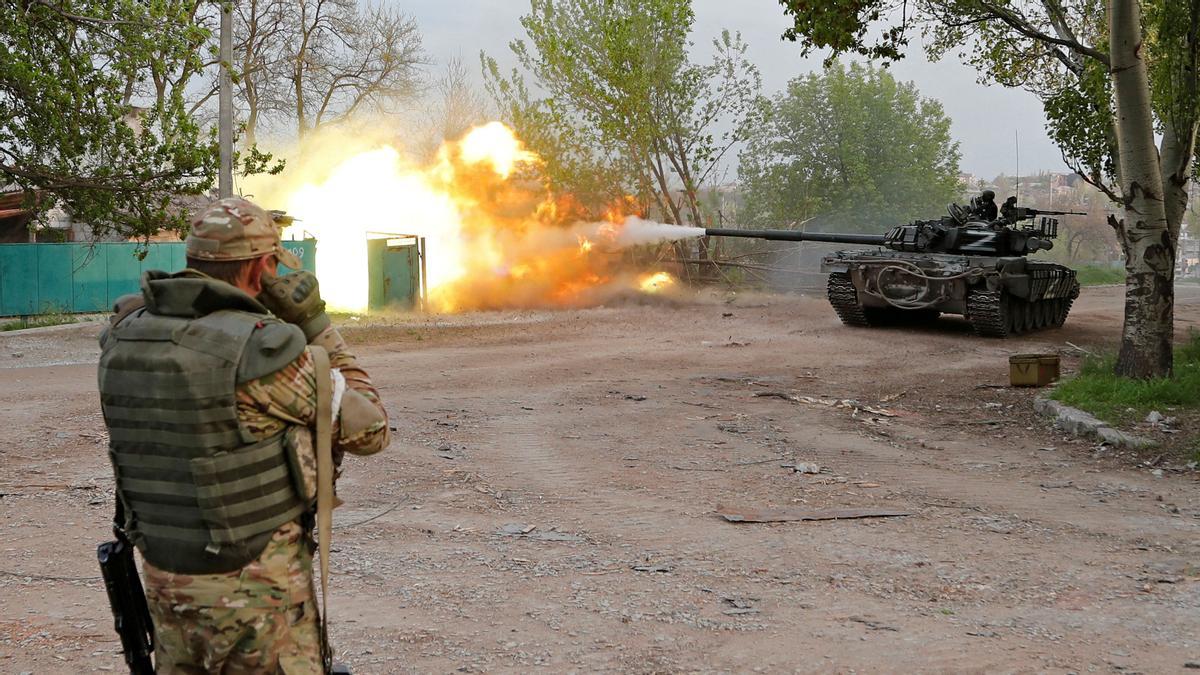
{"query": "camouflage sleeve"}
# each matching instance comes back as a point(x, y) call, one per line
point(363, 423)
point(286, 396)
point(289, 396)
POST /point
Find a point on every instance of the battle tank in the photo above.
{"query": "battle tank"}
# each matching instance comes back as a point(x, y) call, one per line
point(972, 261)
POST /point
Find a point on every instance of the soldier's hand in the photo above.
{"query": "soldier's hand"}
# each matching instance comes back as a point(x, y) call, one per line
point(296, 298)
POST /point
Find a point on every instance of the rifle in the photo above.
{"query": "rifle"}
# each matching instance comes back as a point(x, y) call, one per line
point(131, 614)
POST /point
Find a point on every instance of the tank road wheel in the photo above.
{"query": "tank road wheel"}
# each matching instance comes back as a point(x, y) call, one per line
point(1048, 310)
point(989, 312)
point(1022, 315)
point(844, 299)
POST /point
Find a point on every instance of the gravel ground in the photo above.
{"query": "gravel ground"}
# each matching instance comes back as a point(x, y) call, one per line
point(549, 502)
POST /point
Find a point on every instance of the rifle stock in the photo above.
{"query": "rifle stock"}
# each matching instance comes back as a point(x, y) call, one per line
point(131, 615)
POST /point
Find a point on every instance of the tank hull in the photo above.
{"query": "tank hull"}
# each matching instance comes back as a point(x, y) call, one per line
point(999, 296)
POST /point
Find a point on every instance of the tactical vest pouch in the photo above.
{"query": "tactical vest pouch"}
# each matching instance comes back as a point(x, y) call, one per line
point(246, 492)
point(302, 457)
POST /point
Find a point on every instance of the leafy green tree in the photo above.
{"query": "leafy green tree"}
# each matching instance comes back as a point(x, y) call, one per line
point(624, 101)
point(1109, 78)
point(850, 148)
point(74, 125)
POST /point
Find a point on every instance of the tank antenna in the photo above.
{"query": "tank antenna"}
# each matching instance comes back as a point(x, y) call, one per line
point(1017, 158)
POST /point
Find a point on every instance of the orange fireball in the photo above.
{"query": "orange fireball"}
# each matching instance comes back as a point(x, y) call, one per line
point(496, 236)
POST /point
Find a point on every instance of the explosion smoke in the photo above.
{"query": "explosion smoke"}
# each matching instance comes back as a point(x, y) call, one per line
point(635, 231)
point(496, 236)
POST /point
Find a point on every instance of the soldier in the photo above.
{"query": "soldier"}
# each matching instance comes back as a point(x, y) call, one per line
point(209, 387)
point(984, 208)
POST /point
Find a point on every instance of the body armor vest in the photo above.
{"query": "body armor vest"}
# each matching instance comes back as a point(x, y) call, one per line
point(201, 494)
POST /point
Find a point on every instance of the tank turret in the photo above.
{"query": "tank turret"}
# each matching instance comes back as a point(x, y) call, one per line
point(972, 261)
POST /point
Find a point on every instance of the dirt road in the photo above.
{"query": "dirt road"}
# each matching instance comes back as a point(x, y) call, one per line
point(614, 434)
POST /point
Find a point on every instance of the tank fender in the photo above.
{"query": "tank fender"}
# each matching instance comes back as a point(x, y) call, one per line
point(833, 265)
point(1014, 278)
point(1016, 284)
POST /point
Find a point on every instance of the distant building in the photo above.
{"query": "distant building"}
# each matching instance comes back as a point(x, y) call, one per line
point(1188, 255)
point(17, 225)
point(969, 185)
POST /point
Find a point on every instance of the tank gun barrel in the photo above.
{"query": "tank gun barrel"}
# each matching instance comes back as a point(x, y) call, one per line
point(796, 235)
point(1043, 212)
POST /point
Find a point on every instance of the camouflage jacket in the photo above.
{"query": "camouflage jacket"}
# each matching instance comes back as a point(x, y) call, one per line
point(281, 576)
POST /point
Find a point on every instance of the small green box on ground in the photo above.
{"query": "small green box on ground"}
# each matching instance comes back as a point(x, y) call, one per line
point(1032, 370)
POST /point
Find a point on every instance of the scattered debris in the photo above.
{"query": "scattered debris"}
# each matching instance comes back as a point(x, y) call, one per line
point(803, 467)
point(873, 625)
point(952, 506)
point(1161, 422)
point(678, 467)
point(386, 511)
point(1079, 350)
point(634, 397)
point(1052, 484)
point(762, 461)
point(983, 633)
point(855, 406)
point(652, 568)
point(531, 532)
point(752, 515)
point(739, 603)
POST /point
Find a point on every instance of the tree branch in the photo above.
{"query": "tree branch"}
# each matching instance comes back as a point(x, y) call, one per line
point(1021, 25)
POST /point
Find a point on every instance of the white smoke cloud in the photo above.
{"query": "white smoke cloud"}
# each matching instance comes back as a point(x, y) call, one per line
point(641, 231)
point(635, 231)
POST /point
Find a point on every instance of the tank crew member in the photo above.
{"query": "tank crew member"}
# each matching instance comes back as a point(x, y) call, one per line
point(984, 208)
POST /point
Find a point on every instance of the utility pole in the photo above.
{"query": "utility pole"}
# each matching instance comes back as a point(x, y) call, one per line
point(225, 103)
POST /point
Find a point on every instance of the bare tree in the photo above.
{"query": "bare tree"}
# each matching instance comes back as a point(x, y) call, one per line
point(457, 106)
point(260, 27)
point(343, 60)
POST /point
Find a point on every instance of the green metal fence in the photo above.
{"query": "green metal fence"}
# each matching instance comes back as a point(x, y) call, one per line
point(48, 278)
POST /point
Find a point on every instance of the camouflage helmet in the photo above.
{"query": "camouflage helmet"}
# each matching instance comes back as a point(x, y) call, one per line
point(236, 229)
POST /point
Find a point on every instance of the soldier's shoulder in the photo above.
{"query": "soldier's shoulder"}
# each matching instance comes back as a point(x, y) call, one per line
point(272, 346)
point(124, 306)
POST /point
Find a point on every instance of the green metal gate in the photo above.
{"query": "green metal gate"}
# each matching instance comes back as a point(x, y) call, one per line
point(394, 273)
point(73, 277)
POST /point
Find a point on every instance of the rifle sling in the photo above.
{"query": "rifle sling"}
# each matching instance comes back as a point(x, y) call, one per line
point(325, 498)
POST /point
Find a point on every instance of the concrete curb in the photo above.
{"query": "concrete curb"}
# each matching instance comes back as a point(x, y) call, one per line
point(81, 322)
point(1080, 423)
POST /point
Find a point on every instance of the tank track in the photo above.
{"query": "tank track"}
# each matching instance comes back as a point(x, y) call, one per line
point(998, 314)
point(844, 299)
point(988, 313)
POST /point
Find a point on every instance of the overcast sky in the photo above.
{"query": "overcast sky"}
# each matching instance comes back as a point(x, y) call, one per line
point(985, 118)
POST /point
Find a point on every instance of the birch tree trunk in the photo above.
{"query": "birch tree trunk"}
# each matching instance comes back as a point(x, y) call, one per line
point(1145, 236)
